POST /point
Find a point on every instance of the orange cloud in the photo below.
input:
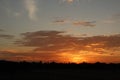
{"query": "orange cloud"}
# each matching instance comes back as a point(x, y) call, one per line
point(84, 23)
point(60, 47)
point(55, 41)
point(28, 56)
point(48, 40)
point(56, 46)
point(68, 1)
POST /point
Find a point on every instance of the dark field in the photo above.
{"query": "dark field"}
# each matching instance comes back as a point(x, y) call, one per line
point(58, 71)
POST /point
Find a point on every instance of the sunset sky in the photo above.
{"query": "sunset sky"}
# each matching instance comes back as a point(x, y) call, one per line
point(60, 30)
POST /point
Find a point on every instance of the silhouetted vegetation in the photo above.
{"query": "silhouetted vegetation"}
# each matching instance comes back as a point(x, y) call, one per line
point(58, 71)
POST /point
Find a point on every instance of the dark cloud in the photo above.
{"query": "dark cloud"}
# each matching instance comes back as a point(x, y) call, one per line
point(102, 44)
point(5, 36)
point(84, 23)
point(106, 41)
point(1, 30)
point(57, 41)
point(47, 40)
point(60, 20)
point(8, 55)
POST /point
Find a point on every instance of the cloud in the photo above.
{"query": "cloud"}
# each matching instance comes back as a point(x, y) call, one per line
point(109, 21)
point(84, 23)
point(78, 1)
point(1, 30)
point(113, 19)
point(46, 57)
point(59, 46)
point(5, 36)
point(31, 8)
point(75, 23)
point(17, 14)
point(103, 44)
point(61, 21)
point(27, 56)
point(47, 40)
point(11, 13)
point(116, 16)
point(68, 1)
point(53, 42)
point(11, 55)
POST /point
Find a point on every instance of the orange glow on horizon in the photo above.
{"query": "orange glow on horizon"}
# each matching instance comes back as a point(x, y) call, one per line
point(70, 1)
point(70, 56)
point(75, 58)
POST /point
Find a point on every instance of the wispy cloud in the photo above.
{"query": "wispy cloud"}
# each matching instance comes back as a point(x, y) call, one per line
point(17, 14)
point(84, 23)
point(109, 21)
point(5, 36)
point(12, 13)
point(75, 23)
point(1, 30)
point(31, 8)
point(61, 21)
point(27, 56)
point(113, 19)
point(71, 1)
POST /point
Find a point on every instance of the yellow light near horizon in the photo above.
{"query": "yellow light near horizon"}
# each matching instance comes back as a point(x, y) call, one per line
point(77, 59)
point(74, 58)
point(70, 1)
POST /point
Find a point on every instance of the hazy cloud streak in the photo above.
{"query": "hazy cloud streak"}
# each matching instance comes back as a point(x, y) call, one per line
point(75, 23)
point(31, 8)
point(1, 30)
point(84, 23)
point(113, 19)
point(5, 36)
point(78, 1)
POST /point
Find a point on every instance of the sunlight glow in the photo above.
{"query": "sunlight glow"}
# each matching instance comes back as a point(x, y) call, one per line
point(70, 1)
point(75, 58)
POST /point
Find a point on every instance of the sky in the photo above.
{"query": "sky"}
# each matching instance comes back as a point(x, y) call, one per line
point(60, 30)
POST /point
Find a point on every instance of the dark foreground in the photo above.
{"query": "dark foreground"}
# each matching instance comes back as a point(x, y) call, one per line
point(55, 71)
